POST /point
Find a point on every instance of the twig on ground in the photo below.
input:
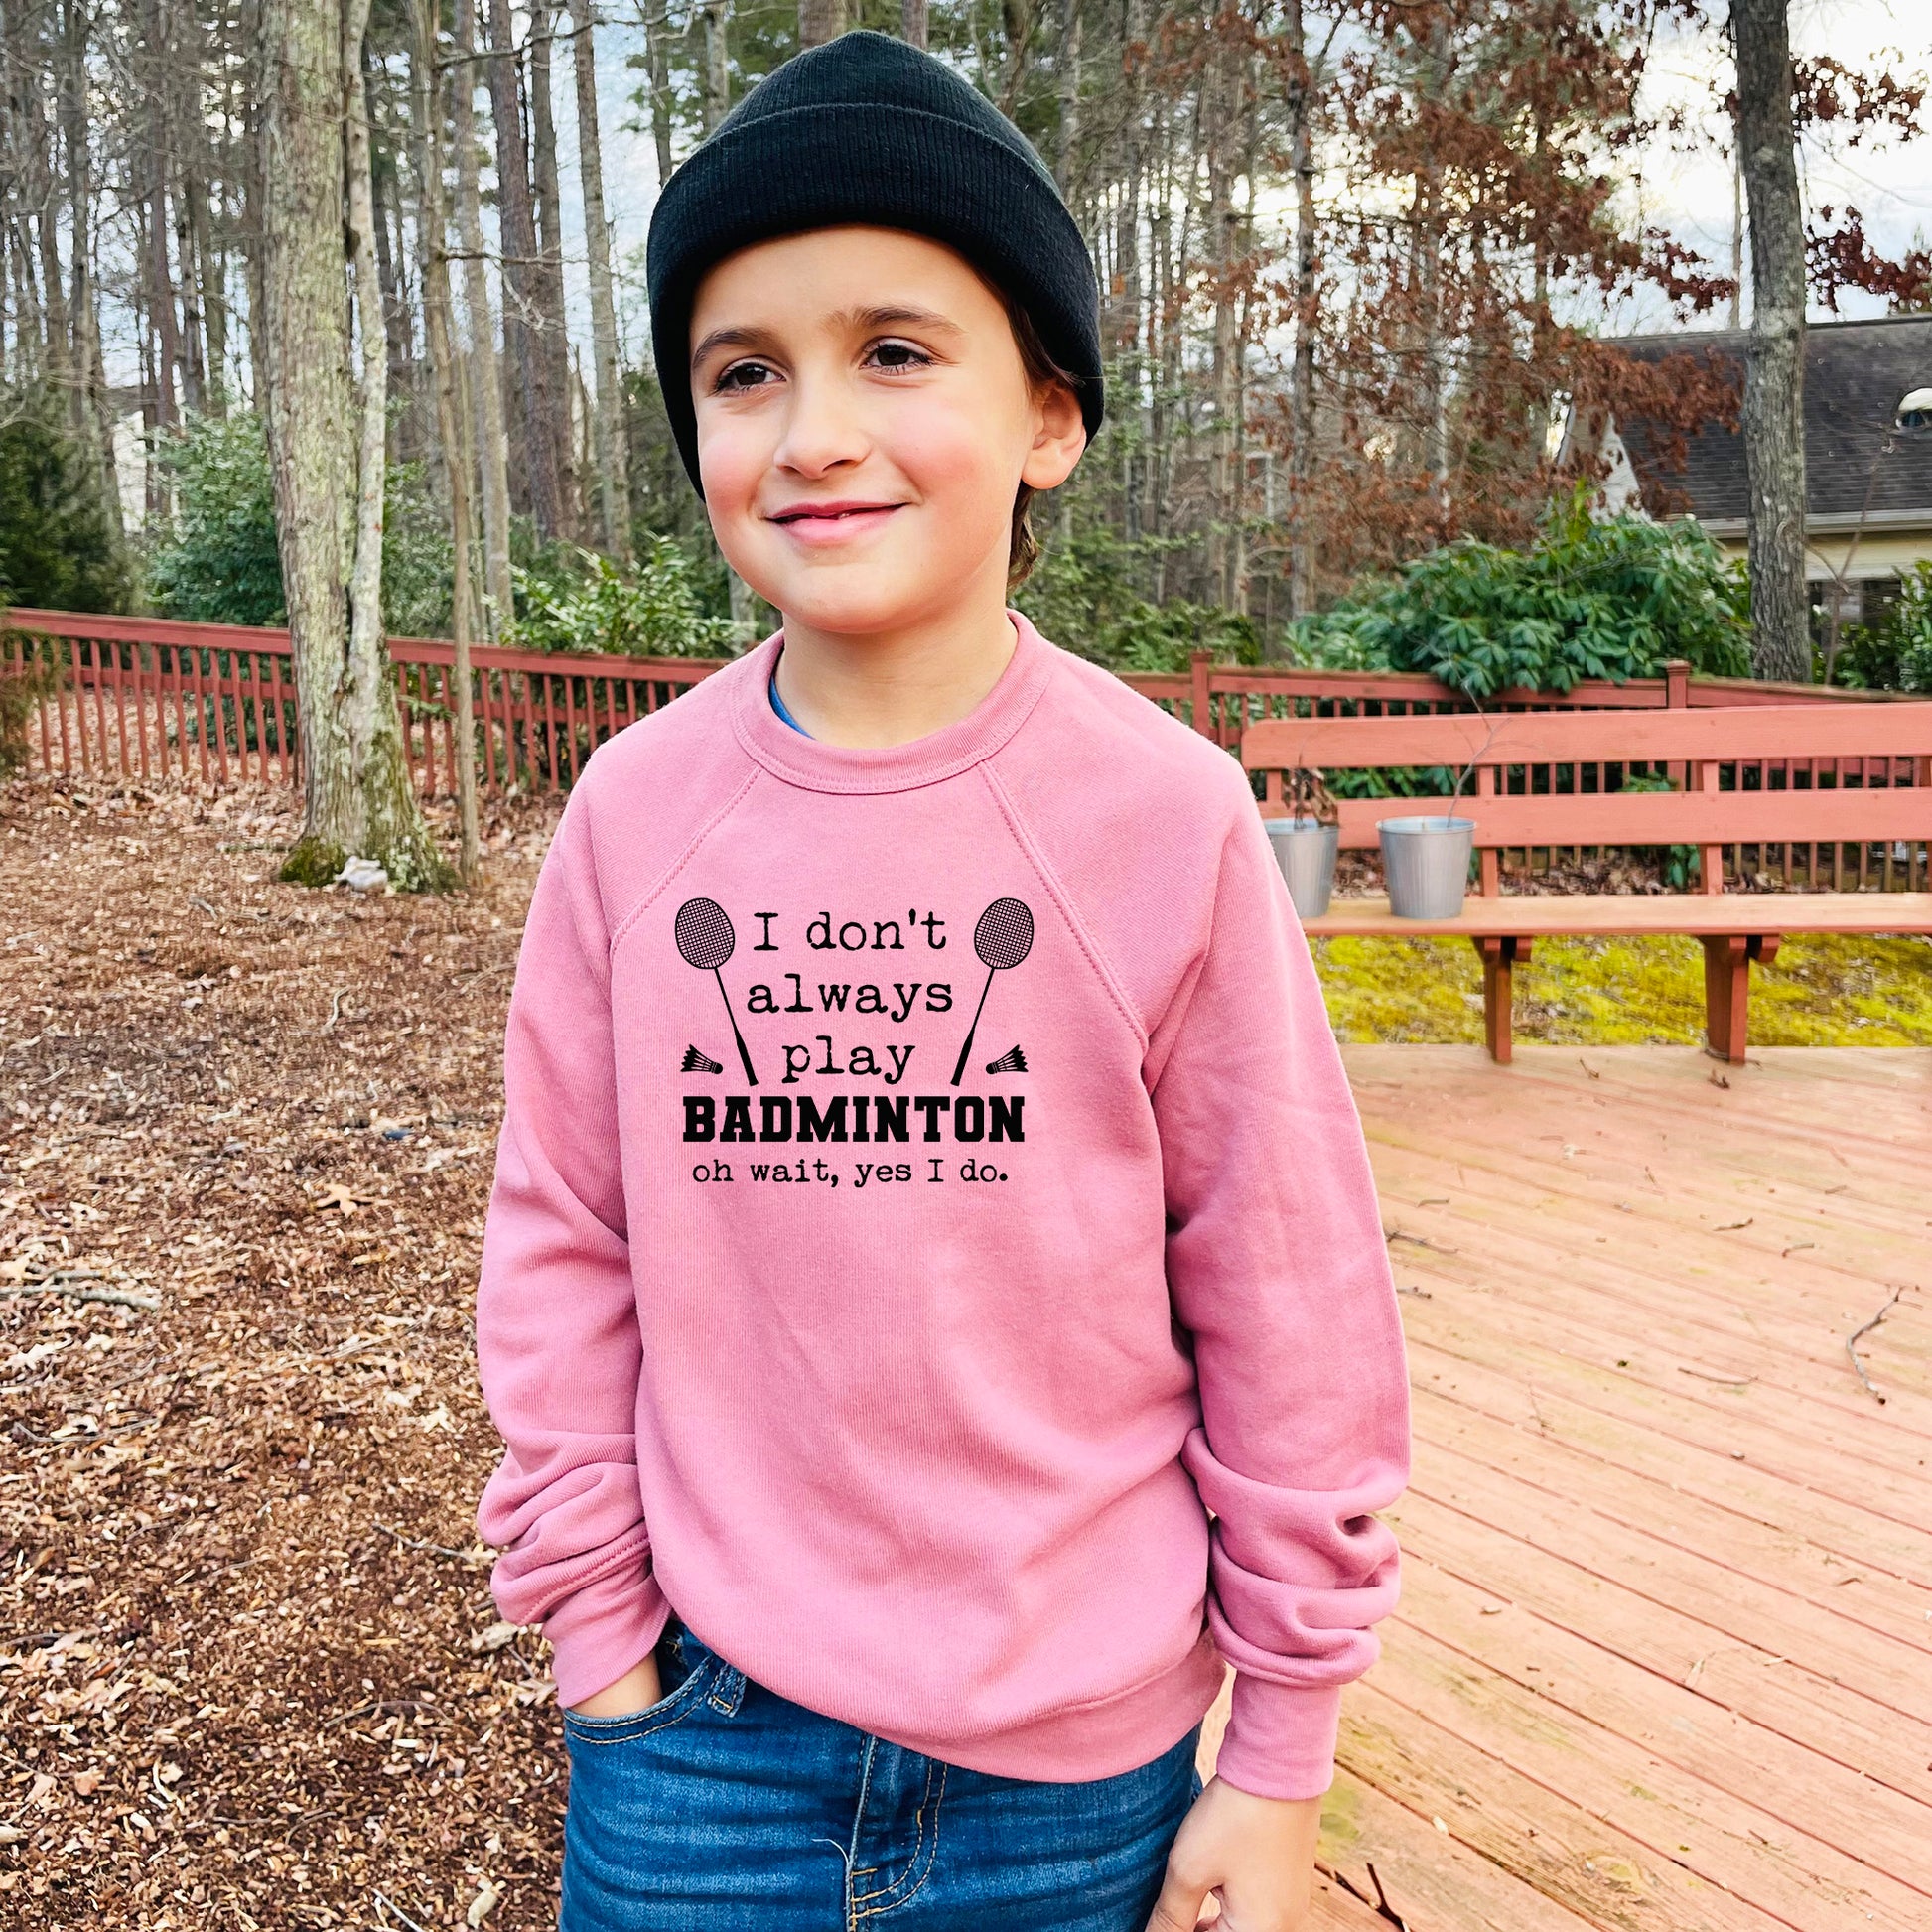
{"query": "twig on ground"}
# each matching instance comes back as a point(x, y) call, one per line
point(1728, 1381)
point(1865, 1329)
point(435, 1549)
point(71, 1282)
point(390, 1905)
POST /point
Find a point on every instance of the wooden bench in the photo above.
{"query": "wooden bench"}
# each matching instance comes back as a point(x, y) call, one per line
point(1733, 928)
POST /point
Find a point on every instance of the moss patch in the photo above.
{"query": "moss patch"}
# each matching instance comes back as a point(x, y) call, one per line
point(1826, 991)
point(311, 862)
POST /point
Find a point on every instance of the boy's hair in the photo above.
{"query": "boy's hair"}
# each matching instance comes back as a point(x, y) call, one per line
point(1023, 552)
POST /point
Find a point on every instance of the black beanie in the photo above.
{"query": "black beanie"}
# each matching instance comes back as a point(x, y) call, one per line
point(866, 130)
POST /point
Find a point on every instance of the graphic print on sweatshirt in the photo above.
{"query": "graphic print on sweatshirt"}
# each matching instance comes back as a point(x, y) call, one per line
point(775, 1100)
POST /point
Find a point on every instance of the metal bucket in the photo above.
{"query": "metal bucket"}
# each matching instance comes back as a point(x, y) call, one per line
point(1305, 849)
point(1427, 864)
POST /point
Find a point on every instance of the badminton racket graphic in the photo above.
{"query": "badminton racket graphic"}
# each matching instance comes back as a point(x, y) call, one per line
point(705, 938)
point(1003, 938)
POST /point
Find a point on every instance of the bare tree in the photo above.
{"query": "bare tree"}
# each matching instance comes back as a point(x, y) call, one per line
point(486, 384)
point(613, 488)
point(326, 453)
point(820, 20)
point(552, 327)
point(540, 404)
point(451, 411)
point(1775, 364)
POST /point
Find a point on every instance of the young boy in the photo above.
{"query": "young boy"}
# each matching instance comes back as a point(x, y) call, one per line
point(928, 1185)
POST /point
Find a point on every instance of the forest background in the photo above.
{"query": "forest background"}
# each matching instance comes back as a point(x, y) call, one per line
point(1361, 268)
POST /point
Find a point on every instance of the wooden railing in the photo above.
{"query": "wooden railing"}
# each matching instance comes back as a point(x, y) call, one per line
point(137, 697)
point(141, 697)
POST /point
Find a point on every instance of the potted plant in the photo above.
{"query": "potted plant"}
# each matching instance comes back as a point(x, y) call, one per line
point(1426, 859)
point(1306, 842)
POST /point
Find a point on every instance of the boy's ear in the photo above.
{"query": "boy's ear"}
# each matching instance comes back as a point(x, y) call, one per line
point(1059, 438)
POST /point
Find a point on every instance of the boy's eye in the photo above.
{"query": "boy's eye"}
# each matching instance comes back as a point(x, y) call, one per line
point(744, 375)
point(899, 356)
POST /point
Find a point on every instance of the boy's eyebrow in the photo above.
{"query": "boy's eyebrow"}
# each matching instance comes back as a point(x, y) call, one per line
point(740, 338)
point(904, 313)
point(885, 315)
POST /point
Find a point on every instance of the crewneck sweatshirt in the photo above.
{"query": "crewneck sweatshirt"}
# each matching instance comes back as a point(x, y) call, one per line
point(932, 1244)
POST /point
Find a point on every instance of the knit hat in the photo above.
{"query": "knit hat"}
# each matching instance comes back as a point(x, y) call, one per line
point(866, 129)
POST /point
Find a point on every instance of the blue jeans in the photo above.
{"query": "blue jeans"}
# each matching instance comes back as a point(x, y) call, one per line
point(724, 1807)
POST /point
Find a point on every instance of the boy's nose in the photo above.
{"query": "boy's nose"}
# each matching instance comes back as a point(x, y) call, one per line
point(821, 429)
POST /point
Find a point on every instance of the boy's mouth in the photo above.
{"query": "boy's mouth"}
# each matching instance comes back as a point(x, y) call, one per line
point(831, 522)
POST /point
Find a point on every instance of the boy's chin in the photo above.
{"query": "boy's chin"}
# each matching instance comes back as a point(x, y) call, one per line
point(819, 600)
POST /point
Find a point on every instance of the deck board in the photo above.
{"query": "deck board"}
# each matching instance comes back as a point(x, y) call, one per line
point(1663, 1656)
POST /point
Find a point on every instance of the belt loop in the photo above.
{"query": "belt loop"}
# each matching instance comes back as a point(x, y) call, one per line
point(728, 1691)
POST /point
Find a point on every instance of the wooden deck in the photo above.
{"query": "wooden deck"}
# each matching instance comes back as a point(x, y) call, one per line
point(1663, 1656)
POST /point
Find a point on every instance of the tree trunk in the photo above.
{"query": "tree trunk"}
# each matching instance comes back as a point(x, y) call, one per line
point(522, 301)
point(1127, 294)
point(553, 325)
point(657, 68)
point(252, 197)
point(486, 385)
point(819, 21)
point(1301, 389)
point(717, 65)
point(181, 82)
point(613, 489)
point(90, 388)
point(357, 792)
point(1428, 291)
point(451, 412)
point(912, 21)
point(1068, 80)
point(1221, 84)
point(161, 291)
point(1775, 365)
point(399, 337)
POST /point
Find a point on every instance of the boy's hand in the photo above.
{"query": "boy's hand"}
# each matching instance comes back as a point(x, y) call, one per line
point(1257, 1854)
point(636, 1690)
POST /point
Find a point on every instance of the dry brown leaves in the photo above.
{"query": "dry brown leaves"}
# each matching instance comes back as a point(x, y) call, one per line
point(251, 1672)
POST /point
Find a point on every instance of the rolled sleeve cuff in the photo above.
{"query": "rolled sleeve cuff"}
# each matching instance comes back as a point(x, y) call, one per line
point(603, 1631)
point(1280, 1737)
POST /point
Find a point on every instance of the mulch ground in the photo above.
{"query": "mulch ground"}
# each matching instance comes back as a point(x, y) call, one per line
point(250, 1673)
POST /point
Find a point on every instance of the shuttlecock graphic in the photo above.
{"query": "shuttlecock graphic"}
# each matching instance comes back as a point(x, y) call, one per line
point(696, 1063)
point(1011, 1061)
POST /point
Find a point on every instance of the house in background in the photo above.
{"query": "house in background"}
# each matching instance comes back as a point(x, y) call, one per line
point(1868, 456)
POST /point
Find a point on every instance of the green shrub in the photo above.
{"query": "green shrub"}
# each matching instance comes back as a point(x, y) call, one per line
point(1894, 655)
point(1084, 594)
point(1610, 598)
point(573, 599)
point(218, 562)
point(1680, 865)
point(58, 547)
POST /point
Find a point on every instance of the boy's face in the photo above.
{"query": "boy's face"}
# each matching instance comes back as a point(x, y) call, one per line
point(864, 421)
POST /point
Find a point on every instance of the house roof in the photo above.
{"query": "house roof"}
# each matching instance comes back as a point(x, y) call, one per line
point(1855, 375)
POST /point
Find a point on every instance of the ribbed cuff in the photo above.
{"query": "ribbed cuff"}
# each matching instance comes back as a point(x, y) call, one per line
point(603, 1631)
point(1280, 1737)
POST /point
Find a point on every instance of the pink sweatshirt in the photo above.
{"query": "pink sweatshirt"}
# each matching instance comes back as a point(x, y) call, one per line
point(927, 1190)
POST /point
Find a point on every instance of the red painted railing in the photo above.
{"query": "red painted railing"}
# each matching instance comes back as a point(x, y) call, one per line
point(148, 695)
point(138, 697)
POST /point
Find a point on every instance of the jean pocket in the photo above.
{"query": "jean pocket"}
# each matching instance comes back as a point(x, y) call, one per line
point(676, 1703)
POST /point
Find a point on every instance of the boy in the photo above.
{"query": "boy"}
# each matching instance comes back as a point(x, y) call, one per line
point(928, 1185)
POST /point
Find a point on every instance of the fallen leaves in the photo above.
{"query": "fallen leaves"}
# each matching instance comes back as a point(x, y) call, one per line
point(237, 1267)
